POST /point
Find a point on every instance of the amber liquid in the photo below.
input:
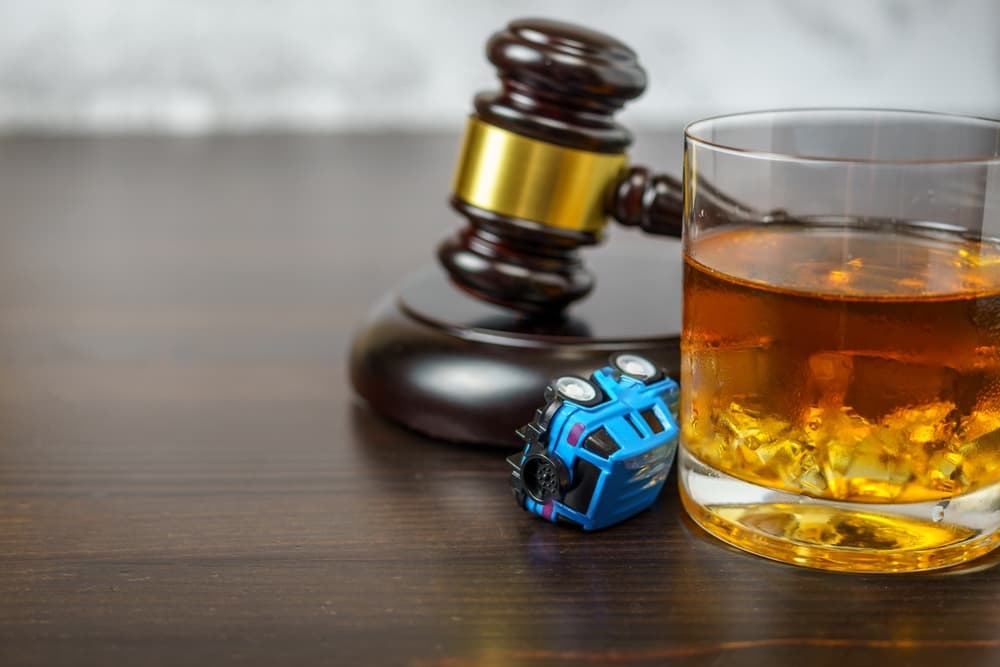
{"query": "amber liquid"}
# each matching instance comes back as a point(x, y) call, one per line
point(847, 364)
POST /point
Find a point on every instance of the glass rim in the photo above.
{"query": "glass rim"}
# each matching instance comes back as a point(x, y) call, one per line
point(691, 129)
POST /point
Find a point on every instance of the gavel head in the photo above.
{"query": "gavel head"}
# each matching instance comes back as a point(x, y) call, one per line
point(542, 166)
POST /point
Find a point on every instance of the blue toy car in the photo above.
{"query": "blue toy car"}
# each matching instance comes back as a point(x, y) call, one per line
point(598, 451)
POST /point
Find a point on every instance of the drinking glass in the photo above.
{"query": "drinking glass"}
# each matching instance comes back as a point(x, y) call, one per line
point(840, 354)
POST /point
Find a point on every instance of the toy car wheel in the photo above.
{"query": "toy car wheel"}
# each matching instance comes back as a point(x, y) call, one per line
point(577, 390)
point(544, 478)
point(637, 367)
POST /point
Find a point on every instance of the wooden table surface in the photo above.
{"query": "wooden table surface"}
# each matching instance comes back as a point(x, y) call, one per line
point(186, 478)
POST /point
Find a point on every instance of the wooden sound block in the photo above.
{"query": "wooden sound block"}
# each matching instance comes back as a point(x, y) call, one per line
point(441, 362)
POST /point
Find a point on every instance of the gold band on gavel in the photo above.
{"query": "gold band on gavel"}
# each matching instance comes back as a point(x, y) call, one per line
point(525, 178)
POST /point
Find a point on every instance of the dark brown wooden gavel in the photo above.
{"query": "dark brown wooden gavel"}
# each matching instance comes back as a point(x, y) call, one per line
point(543, 166)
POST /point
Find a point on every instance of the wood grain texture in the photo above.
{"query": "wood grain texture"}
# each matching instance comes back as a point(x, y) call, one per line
point(185, 476)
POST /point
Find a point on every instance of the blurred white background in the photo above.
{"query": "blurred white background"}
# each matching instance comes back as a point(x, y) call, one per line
point(204, 65)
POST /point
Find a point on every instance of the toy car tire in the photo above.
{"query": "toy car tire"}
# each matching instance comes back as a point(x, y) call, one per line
point(576, 389)
point(544, 478)
point(637, 367)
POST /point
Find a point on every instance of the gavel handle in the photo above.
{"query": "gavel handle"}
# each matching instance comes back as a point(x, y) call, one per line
point(652, 202)
point(655, 202)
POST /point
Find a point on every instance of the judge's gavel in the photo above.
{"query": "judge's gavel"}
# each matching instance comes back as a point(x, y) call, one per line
point(541, 169)
point(543, 166)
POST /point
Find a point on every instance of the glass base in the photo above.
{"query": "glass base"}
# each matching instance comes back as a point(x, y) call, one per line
point(837, 535)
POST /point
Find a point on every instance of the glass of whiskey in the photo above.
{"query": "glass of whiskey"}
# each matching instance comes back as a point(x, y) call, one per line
point(840, 353)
